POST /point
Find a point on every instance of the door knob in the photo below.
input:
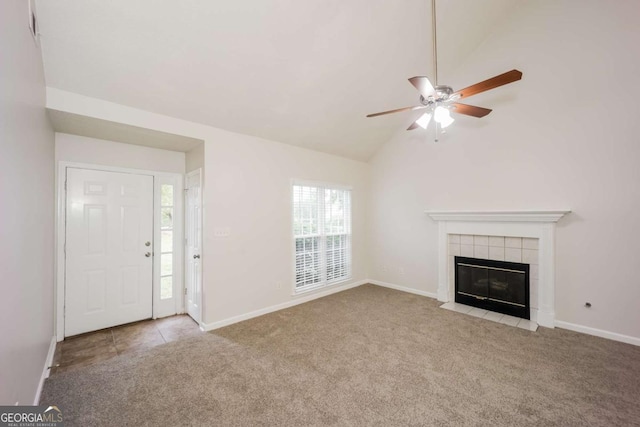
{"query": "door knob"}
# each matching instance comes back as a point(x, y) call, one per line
point(147, 244)
point(148, 254)
point(196, 257)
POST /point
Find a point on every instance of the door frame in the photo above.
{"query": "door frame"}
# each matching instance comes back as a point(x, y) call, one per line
point(60, 236)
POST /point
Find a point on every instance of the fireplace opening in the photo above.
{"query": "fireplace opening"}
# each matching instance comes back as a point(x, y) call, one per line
point(493, 285)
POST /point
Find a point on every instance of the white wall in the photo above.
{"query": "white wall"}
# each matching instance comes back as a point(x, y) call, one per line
point(81, 149)
point(564, 136)
point(248, 190)
point(195, 158)
point(26, 213)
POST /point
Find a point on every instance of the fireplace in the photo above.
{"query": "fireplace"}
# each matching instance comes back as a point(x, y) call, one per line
point(540, 225)
point(498, 286)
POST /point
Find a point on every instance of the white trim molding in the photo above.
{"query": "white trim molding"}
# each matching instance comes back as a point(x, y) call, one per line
point(533, 224)
point(295, 301)
point(598, 332)
point(46, 370)
point(404, 289)
point(498, 216)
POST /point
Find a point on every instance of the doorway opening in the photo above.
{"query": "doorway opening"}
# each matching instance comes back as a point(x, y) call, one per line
point(120, 251)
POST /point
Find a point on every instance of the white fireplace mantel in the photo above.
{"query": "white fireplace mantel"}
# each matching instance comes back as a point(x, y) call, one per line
point(533, 224)
point(498, 216)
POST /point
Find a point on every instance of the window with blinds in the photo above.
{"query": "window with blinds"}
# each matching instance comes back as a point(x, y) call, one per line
point(322, 234)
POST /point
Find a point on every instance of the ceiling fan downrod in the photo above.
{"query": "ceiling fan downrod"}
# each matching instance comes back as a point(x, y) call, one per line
point(435, 42)
point(440, 100)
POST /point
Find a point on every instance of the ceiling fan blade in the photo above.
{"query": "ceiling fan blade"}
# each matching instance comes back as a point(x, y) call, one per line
point(397, 110)
point(470, 110)
point(413, 126)
point(423, 85)
point(423, 122)
point(492, 83)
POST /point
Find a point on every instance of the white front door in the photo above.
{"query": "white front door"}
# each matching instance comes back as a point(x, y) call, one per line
point(193, 225)
point(109, 249)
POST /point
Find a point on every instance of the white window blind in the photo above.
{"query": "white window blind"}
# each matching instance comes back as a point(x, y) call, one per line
point(322, 234)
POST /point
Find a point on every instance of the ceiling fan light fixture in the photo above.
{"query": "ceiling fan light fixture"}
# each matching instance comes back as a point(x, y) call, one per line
point(442, 116)
point(440, 100)
point(424, 120)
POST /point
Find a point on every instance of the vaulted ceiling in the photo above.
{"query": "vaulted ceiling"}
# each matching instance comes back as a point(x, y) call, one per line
point(300, 72)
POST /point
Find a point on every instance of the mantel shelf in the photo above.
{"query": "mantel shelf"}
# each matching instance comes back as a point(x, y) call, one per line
point(498, 216)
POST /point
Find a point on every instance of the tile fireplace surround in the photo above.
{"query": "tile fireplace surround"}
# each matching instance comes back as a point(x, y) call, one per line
point(529, 226)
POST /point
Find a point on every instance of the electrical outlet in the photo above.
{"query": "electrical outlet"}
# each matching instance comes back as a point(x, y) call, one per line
point(279, 285)
point(384, 268)
point(401, 271)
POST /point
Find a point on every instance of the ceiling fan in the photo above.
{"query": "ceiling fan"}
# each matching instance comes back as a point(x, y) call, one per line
point(440, 100)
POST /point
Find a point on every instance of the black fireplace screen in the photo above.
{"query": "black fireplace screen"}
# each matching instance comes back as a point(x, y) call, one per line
point(493, 285)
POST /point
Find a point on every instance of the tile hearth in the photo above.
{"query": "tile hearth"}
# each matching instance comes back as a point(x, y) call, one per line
point(505, 319)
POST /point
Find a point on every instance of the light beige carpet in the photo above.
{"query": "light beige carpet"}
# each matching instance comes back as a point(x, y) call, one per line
point(366, 356)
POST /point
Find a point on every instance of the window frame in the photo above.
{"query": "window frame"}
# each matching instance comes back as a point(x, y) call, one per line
point(175, 304)
point(322, 248)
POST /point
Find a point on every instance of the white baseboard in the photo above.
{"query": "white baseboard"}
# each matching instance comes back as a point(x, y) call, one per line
point(598, 332)
point(306, 298)
point(404, 289)
point(546, 318)
point(271, 309)
point(45, 371)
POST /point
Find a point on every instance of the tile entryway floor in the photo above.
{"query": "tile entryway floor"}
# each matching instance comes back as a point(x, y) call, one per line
point(96, 347)
point(491, 315)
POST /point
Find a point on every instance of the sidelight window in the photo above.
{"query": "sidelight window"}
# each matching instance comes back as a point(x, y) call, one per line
point(166, 240)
